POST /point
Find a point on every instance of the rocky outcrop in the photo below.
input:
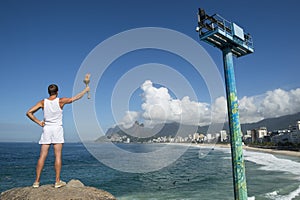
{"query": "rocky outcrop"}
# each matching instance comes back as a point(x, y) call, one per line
point(73, 190)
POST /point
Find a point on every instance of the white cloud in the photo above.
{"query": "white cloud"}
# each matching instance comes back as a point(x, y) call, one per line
point(158, 106)
point(219, 109)
point(280, 102)
point(129, 119)
point(274, 103)
point(248, 110)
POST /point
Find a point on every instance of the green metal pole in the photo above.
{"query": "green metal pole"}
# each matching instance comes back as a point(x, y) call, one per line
point(238, 165)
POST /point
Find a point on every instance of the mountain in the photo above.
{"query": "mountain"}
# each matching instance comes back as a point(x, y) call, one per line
point(139, 133)
point(272, 124)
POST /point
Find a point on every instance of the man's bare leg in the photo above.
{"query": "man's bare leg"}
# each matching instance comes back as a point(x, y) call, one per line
point(58, 162)
point(41, 161)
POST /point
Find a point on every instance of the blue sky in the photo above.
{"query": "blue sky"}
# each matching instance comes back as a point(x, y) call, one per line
point(44, 42)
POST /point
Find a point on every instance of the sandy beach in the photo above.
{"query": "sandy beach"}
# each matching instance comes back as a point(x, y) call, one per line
point(272, 151)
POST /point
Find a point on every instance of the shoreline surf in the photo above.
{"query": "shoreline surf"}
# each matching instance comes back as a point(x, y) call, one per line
point(257, 149)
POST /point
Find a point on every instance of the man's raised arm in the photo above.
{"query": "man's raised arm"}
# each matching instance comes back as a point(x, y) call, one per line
point(64, 100)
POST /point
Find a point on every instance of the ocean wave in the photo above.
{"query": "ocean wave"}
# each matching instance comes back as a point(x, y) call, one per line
point(270, 162)
point(276, 196)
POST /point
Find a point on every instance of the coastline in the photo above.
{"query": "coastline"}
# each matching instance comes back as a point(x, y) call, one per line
point(274, 151)
point(247, 148)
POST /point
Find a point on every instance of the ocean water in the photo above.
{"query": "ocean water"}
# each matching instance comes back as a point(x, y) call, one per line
point(193, 176)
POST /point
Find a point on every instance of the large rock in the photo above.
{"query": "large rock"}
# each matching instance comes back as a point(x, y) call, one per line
point(73, 190)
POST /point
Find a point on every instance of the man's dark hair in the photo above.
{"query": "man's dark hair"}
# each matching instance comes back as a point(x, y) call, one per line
point(52, 89)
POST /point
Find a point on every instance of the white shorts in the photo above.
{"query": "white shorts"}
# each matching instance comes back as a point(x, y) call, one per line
point(52, 135)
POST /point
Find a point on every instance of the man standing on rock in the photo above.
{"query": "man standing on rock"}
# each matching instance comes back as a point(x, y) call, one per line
point(52, 129)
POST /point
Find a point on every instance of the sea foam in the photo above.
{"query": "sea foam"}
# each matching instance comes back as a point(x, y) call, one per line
point(275, 196)
point(270, 162)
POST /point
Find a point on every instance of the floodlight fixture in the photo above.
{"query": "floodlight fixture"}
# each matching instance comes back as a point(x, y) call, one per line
point(222, 33)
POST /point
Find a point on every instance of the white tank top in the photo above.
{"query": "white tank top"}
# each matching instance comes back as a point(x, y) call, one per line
point(52, 112)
